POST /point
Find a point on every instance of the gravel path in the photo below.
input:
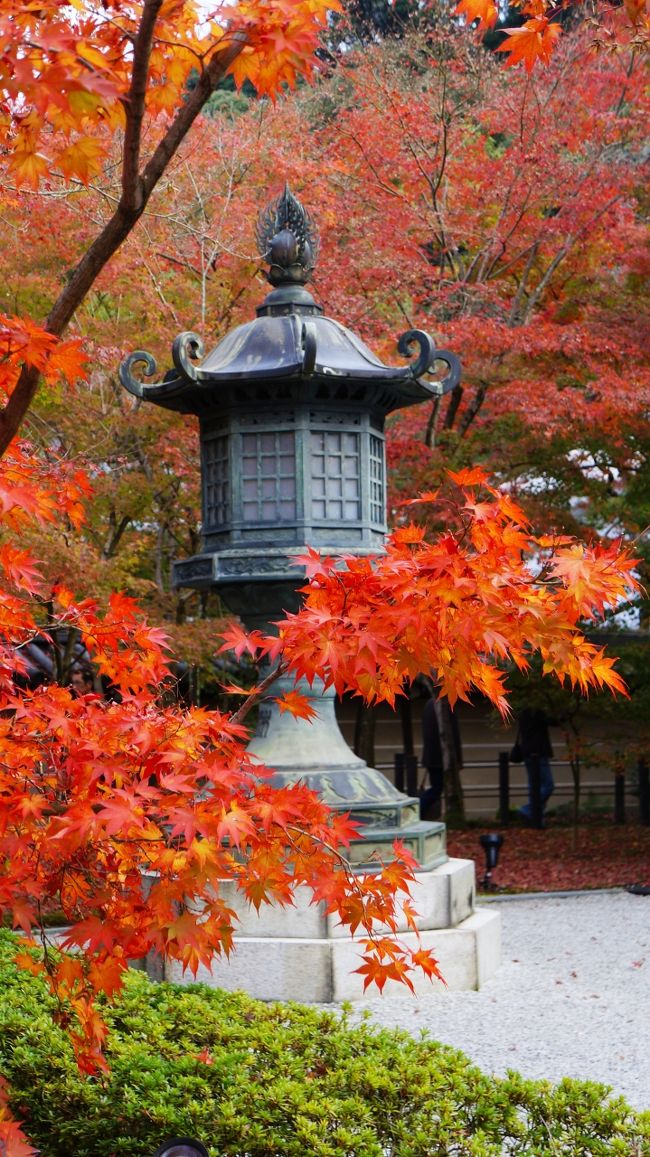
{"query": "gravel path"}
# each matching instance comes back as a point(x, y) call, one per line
point(572, 996)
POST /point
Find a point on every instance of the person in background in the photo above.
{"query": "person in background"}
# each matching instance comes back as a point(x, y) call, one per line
point(81, 679)
point(534, 740)
point(440, 744)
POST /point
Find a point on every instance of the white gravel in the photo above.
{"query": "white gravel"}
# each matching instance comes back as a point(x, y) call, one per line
point(571, 998)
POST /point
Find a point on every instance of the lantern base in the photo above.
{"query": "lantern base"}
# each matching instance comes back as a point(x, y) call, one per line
point(300, 953)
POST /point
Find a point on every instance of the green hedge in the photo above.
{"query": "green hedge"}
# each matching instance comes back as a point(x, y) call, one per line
point(284, 1080)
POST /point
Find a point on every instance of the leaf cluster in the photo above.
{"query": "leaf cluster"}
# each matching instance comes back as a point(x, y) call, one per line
point(251, 1079)
point(460, 604)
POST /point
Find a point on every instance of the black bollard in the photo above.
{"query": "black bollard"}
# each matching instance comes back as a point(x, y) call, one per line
point(181, 1147)
point(399, 770)
point(491, 843)
point(644, 792)
point(535, 781)
point(504, 788)
point(619, 798)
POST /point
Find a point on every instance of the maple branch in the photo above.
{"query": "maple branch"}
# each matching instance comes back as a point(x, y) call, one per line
point(258, 691)
point(115, 534)
point(130, 208)
point(354, 880)
point(179, 263)
point(473, 408)
point(490, 258)
point(517, 311)
point(562, 253)
point(134, 105)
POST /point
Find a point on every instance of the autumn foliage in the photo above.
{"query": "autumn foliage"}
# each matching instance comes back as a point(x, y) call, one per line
point(535, 41)
point(484, 592)
point(70, 90)
point(124, 813)
point(124, 816)
point(504, 214)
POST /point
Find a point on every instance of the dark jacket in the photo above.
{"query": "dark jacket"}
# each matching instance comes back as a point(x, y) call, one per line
point(533, 733)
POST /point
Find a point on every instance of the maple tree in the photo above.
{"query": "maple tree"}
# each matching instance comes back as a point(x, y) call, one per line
point(492, 211)
point(124, 814)
point(72, 79)
point(511, 219)
point(113, 788)
point(552, 331)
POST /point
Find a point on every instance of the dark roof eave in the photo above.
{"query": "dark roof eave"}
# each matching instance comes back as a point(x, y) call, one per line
point(189, 396)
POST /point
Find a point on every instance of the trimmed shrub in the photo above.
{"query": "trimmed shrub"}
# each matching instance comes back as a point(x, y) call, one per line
point(280, 1080)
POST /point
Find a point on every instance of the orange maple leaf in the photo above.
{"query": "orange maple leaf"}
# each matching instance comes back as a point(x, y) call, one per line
point(423, 959)
point(241, 642)
point(485, 11)
point(69, 361)
point(82, 159)
point(28, 167)
point(469, 476)
point(13, 1142)
point(298, 705)
point(534, 41)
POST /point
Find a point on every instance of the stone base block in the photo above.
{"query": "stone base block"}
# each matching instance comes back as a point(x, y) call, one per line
point(466, 955)
point(322, 971)
point(442, 898)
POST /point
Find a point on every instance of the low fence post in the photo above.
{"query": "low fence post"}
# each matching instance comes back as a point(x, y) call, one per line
point(399, 770)
point(644, 792)
point(411, 768)
point(619, 798)
point(504, 788)
point(536, 808)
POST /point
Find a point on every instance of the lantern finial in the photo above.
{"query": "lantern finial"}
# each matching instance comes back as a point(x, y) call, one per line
point(287, 238)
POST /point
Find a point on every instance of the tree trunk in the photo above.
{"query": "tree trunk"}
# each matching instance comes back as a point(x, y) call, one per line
point(406, 717)
point(454, 796)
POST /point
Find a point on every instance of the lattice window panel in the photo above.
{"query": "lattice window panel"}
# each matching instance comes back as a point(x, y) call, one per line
point(268, 477)
point(336, 481)
point(217, 484)
point(376, 474)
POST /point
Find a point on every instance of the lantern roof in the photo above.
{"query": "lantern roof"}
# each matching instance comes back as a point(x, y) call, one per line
point(290, 341)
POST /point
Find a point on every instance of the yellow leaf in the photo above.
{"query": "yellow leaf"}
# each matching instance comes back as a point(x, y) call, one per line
point(28, 167)
point(82, 159)
point(91, 54)
point(83, 103)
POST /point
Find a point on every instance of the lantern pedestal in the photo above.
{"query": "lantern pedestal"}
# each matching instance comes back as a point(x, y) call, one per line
point(302, 953)
point(315, 752)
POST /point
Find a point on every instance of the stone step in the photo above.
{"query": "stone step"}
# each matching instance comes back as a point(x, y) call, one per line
point(426, 840)
point(322, 971)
